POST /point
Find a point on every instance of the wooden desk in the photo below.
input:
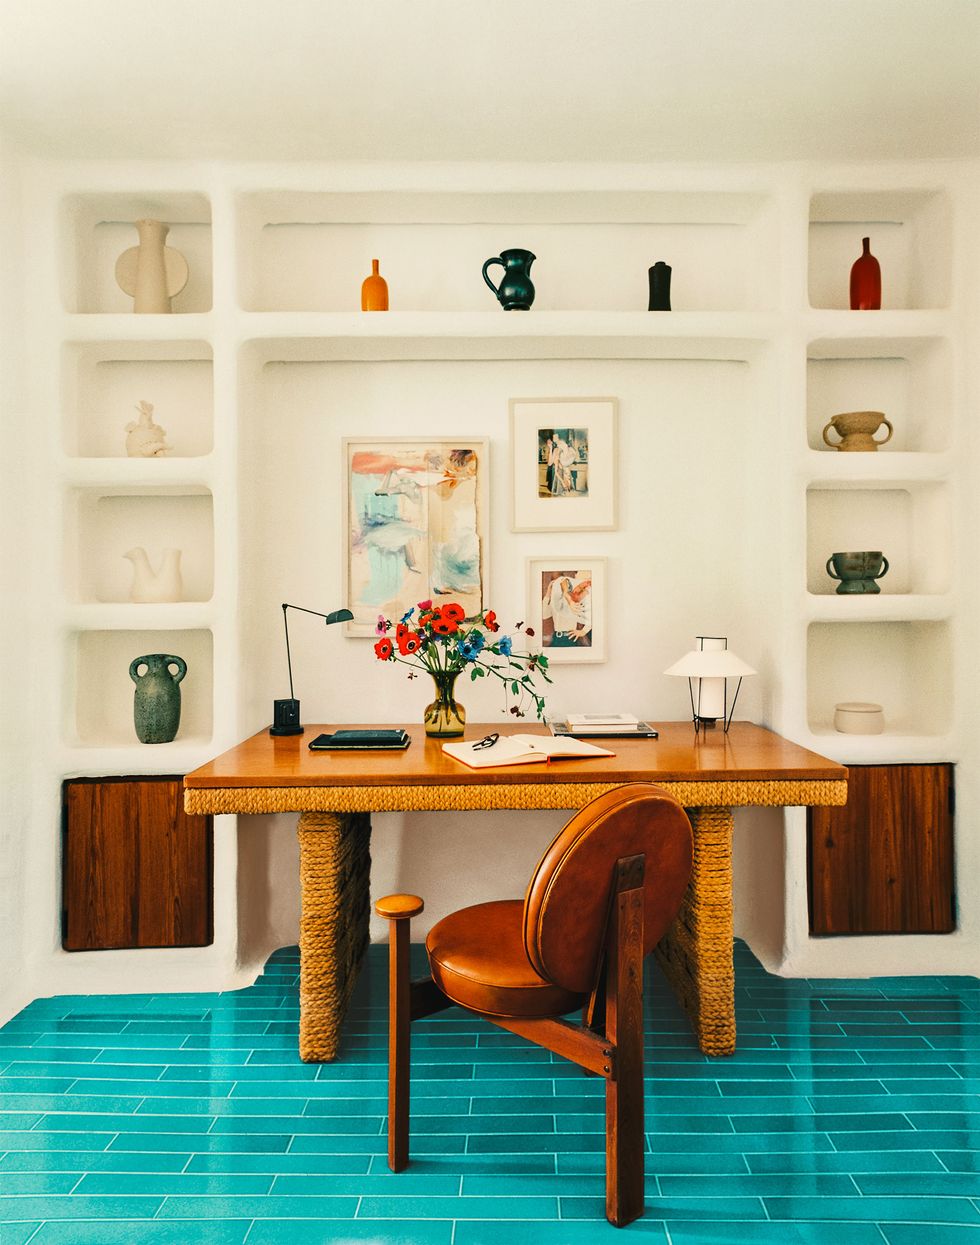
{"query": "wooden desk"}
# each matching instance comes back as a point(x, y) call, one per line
point(335, 793)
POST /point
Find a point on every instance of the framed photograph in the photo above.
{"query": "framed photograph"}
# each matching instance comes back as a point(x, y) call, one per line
point(567, 607)
point(415, 525)
point(563, 464)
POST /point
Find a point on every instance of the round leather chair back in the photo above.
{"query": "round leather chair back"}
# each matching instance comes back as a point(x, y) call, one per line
point(567, 900)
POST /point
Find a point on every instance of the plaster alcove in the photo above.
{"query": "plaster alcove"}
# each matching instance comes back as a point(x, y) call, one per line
point(268, 365)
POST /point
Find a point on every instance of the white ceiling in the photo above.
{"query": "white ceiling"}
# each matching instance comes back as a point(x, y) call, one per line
point(539, 80)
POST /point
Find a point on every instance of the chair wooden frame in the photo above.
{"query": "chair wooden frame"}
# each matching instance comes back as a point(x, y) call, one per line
point(607, 1043)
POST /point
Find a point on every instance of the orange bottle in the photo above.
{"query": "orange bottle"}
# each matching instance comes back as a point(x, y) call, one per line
point(374, 290)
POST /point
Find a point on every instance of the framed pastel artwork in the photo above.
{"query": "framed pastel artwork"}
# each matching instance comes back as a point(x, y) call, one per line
point(567, 607)
point(415, 525)
point(563, 464)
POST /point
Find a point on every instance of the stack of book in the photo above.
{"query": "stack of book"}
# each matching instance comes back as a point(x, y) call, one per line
point(607, 725)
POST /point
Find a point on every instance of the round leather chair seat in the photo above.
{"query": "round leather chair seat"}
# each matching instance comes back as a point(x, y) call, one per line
point(477, 959)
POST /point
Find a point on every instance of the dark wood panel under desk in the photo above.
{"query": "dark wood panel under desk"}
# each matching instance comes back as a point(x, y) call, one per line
point(137, 869)
point(883, 863)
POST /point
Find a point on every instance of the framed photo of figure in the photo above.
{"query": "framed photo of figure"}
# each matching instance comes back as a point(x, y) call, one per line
point(567, 607)
point(563, 464)
point(415, 525)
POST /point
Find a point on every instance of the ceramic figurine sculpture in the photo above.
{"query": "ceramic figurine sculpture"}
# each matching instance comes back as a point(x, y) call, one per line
point(374, 290)
point(149, 585)
point(151, 273)
point(866, 280)
point(515, 292)
point(144, 438)
point(156, 704)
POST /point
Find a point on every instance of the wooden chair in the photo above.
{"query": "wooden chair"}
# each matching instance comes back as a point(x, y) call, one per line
point(599, 900)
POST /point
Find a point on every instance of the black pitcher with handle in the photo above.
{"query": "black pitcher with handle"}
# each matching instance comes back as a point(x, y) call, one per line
point(515, 292)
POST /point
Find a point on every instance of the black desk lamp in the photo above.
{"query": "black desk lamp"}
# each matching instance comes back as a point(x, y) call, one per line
point(285, 718)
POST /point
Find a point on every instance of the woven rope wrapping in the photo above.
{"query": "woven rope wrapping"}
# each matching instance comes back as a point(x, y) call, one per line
point(696, 952)
point(490, 795)
point(335, 874)
point(334, 834)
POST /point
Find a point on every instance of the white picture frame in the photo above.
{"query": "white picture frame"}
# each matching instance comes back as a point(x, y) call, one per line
point(564, 464)
point(569, 590)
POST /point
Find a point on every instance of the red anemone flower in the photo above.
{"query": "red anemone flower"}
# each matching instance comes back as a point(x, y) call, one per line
point(409, 643)
point(453, 611)
point(490, 621)
point(442, 625)
point(383, 649)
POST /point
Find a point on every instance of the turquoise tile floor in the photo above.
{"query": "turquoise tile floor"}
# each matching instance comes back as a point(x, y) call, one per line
point(849, 1116)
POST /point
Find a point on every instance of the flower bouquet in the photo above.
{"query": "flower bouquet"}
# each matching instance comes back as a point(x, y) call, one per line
point(441, 640)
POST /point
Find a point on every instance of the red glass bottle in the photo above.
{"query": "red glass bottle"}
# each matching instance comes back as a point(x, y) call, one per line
point(866, 280)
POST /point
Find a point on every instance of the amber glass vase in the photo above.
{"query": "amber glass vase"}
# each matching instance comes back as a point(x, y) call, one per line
point(374, 290)
point(445, 718)
point(866, 280)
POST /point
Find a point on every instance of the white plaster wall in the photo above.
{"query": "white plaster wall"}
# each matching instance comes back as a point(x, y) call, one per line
point(17, 741)
point(680, 564)
point(713, 536)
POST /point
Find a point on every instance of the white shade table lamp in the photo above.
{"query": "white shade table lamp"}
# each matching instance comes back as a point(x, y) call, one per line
point(707, 668)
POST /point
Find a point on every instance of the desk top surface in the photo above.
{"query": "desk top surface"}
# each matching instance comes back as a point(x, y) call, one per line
point(747, 753)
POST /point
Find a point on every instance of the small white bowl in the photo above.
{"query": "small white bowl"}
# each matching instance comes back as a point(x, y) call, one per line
point(859, 717)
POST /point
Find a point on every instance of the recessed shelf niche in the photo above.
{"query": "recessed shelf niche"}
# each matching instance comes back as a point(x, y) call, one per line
point(909, 379)
point(97, 228)
point(908, 523)
point(310, 252)
point(906, 667)
point(97, 668)
point(103, 383)
point(104, 524)
point(910, 232)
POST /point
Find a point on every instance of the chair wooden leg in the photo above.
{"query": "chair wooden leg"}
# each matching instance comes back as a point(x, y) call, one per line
point(624, 1028)
point(399, 1046)
point(399, 909)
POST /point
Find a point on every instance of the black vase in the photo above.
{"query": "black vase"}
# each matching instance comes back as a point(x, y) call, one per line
point(659, 287)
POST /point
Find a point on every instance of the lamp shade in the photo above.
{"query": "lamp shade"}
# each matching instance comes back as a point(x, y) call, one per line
point(710, 664)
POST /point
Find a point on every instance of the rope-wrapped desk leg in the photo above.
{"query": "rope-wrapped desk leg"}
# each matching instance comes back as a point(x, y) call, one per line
point(696, 952)
point(335, 874)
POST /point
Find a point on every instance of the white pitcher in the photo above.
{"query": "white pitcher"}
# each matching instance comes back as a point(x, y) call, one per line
point(164, 584)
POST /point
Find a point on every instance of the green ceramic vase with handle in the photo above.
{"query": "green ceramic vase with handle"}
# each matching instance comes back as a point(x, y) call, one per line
point(156, 706)
point(516, 290)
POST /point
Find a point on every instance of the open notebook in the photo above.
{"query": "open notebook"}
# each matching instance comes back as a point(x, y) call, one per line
point(522, 750)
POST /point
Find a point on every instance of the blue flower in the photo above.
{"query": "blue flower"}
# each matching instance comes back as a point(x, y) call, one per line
point(471, 646)
point(504, 645)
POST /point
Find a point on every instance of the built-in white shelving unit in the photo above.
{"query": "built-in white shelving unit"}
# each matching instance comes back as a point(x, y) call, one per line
point(269, 328)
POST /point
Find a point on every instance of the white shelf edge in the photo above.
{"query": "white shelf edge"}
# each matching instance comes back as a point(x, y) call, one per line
point(888, 748)
point(150, 473)
point(98, 759)
point(129, 616)
point(824, 322)
point(273, 325)
point(882, 469)
point(881, 607)
point(101, 327)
